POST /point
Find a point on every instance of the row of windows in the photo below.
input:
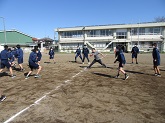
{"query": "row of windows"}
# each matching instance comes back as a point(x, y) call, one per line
point(107, 32)
point(146, 31)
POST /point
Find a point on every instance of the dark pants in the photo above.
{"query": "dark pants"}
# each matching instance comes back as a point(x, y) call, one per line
point(85, 56)
point(78, 55)
point(94, 61)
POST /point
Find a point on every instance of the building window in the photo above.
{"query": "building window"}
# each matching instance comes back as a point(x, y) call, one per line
point(154, 31)
point(141, 31)
point(106, 32)
point(134, 31)
point(72, 34)
point(121, 35)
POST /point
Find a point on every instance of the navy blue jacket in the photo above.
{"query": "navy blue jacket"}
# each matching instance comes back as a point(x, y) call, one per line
point(33, 57)
point(135, 50)
point(85, 51)
point(19, 53)
point(78, 51)
point(11, 56)
point(4, 55)
point(51, 52)
point(156, 54)
point(121, 57)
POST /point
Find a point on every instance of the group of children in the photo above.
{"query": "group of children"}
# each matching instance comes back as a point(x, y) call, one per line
point(7, 57)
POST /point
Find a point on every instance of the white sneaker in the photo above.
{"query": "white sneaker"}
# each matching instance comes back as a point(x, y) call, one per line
point(83, 63)
point(88, 62)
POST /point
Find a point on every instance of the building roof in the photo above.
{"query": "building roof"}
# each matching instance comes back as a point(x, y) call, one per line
point(112, 26)
point(14, 37)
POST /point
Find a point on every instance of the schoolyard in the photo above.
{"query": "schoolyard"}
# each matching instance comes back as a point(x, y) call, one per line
point(67, 92)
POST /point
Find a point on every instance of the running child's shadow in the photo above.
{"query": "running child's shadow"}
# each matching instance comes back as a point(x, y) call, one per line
point(75, 62)
point(162, 70)
point(105, 75)
point(135, 72)
point(4, 74)
point(16, 69)
point(25, 74)
point(47, 62)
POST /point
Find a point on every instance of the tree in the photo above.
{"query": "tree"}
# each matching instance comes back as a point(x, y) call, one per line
point(160, 19)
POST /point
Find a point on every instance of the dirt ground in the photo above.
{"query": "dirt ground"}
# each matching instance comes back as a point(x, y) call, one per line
point(68, 93)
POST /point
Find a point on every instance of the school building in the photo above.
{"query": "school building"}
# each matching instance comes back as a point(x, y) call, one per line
point(106, 37)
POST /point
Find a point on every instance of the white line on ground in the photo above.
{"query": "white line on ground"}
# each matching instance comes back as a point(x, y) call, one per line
point(37, 101)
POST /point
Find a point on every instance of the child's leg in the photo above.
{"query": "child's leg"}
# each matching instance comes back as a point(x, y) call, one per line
point(29, 73)
point(157, 69)
point(80, 57)
point(11, 71)
point(99, 61)
point(39, 69)
point(121, 69)
point(93, 62)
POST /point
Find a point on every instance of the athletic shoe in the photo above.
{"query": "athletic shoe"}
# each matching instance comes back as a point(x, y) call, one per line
point(159, 75)
point(22, 69)
point(3, 97)
point(36, 76)
point(13, 76)
point(27, 77)
point(126, 77)
point(83, 63)
point(116, 76)
point(88, 62)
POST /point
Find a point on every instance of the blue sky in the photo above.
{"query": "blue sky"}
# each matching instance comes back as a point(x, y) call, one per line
point(39, 18)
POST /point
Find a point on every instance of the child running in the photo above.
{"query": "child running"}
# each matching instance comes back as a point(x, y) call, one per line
point(33, 64)
point(156, 60)
point(122, 61)
point(96, 58)
point(4, 57)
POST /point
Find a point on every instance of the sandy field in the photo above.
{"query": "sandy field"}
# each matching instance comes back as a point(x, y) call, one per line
point(69, 93)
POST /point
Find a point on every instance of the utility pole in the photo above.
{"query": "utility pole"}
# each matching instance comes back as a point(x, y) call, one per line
point(4, 29)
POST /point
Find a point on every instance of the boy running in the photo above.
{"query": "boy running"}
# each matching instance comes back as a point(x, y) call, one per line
point(4, 56)
point(96, 58)
point(33, 64)
point(122, 61)
point(156, 60)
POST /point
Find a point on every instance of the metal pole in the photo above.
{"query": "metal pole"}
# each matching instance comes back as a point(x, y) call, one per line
point(4, 29)
point(84, 34)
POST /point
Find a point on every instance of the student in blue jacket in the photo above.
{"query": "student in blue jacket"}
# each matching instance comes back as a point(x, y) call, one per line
point(156, 60)
point(85, 53)
point(78, 54)
point(19, 56)
point(39, 55)
point(51, 55)
point(33, 64)
point(122, 61)
point(135, 52)
point(4, 57)
point(11, 57)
